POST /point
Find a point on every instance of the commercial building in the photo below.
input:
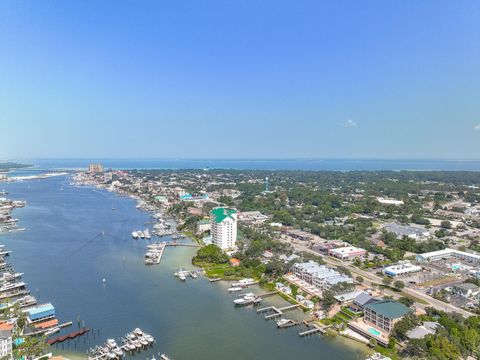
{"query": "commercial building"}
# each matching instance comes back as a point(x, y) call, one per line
point(467, 290)
point(401, 268)
point(252, 216)
point(447, 254)
point(6, 344)
point(319, 276)
point(40, 313)
point(412, 232)
point(95, 168)
point(384, 201)
point(347, 253)
point(223, 227)
point(384, 313)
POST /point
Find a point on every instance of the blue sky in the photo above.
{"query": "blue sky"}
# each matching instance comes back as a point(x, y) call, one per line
point(246, 79)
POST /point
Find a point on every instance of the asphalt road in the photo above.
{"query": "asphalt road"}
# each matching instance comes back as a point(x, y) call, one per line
point(372, 278)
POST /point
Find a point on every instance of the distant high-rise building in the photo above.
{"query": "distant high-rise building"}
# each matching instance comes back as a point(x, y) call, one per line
point(224, 227)
point(95, 168)
point(6, 344)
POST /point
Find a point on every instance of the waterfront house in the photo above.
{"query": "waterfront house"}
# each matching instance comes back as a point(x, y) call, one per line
point(385, 313)
point(234, 262)
point(308, 304)
point(283, 288)
point(361, 300)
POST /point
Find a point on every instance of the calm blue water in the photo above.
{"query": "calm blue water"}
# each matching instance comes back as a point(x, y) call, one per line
point(288, 164)
point(65, 258)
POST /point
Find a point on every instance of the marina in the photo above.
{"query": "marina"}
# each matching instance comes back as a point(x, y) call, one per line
point(77, 263)
point(132, 342)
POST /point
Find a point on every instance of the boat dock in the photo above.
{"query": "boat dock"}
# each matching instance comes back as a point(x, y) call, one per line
point(69, 336)
point(316, 329)
point(156, 250)
point(277, 312)
point(175, 243)
point(155, 253)
point(134, 341)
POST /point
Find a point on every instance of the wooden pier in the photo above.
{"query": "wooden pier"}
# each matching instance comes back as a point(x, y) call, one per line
point(174, 243)
point(316, 329)
point(276, 311)
point(43, 331)
point(263, 296)
point(72, 335)
point(291, 307)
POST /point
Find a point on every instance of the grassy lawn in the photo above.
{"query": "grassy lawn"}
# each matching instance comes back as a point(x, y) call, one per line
point(346, 311)
point(215, 272)
point(414, 298)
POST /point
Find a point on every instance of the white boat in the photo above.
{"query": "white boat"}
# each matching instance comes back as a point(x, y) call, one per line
point(135, 235)
point(118, 351)
point(52, 331)
point(245, 299)
point(137, 344)
point(235, 289)
point(111, 343)
point(182, 276)
point(244, 282)
point(164, 357)
point(282, 322)
point(129, 346)
point(149, 338)
point(138, 332)
point(144, 342)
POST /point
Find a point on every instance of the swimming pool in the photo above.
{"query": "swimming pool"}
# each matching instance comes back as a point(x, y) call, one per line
point(374, 332)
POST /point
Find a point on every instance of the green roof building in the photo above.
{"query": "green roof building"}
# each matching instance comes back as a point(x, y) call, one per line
point(224, 227)
point(385, 313)
point(219, 214)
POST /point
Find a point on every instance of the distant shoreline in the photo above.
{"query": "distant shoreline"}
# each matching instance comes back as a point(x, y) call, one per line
point(342, 165)
point(8, 166)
